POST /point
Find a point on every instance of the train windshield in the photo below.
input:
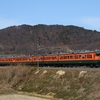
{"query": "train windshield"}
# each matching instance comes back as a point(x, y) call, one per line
point(97, 54)
point(97, 51)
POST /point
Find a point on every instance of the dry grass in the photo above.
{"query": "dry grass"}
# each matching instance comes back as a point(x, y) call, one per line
point(9, 72)
point(46, 82)
point(10, 76)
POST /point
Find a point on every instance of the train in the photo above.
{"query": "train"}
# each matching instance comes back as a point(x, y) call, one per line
point(89, 59)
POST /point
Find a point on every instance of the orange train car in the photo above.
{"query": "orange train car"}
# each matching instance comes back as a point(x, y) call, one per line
point(69, 59)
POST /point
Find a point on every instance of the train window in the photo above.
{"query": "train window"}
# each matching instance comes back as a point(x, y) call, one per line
point(39, 58)
point(60, 57)
point(71, 57)
point(45, 58)
point(89, 56)
point(79, 56)
point(65, 57)
point(34, 58)
point(76, 57)
point(42, 58)
point(48, 58)
point(83, 56)
point(53, 57)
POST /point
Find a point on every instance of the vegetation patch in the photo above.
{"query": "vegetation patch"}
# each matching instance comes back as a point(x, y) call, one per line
point(59, 83)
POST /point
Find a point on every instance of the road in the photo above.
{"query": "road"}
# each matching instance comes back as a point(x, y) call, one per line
point(19, 97)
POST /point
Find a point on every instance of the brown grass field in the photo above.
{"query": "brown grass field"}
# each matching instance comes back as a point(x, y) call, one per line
point(55, 83)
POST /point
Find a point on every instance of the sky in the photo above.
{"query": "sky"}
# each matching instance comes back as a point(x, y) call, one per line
point(82, 13)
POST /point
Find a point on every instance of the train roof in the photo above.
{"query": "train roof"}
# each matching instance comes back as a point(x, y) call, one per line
point(57, 53)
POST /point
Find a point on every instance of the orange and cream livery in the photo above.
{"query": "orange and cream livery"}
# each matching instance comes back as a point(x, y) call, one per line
point(91, 59)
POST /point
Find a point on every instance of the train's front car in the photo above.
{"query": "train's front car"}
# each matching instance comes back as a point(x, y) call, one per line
point(97, 58)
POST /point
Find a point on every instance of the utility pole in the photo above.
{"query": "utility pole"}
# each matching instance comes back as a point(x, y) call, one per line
point(58, 52)
point(37, 50)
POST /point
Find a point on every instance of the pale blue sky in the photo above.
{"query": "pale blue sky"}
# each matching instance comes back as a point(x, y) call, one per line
point(82, 13)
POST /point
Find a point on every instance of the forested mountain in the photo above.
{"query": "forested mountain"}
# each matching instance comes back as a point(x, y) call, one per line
point(26, 39)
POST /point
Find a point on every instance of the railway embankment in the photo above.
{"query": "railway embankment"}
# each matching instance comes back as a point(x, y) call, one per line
point(54, 83)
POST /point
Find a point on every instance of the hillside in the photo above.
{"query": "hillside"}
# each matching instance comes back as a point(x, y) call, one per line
point(68, 84)
point(25, 39)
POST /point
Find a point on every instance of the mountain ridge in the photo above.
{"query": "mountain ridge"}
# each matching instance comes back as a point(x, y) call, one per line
point(26, 39)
